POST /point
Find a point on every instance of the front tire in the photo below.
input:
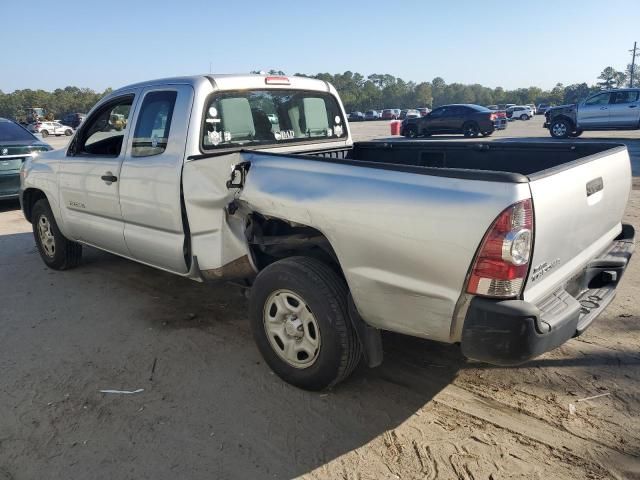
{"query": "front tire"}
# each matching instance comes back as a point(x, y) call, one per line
point(44, 133)
point(524, 117)
point(560, 129)
point(300, 322)
point(55, 249)
point(470, 129)
point(68, 133)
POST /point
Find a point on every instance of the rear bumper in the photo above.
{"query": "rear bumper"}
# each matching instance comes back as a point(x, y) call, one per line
point(9, 185)
point(510, 332)
point(500, 124)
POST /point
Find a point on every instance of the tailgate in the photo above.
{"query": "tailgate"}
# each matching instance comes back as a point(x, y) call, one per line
point(578, 208)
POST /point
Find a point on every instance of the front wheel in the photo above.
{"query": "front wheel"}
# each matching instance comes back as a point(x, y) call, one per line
point(470, 130)
point(524, 117)
point(68, 133)
point(44, 133)
point(560, 129)
point(56, 250)
point(299, 317)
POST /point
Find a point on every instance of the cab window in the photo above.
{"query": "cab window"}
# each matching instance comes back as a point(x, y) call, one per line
point(600, 99)
point(626, 97)
point(260, 117)
point(154, 123)
point(104, 131)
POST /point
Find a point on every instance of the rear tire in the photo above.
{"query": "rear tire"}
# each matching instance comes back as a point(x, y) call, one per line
point(68, 133)
point(470, 129)
point(560, 128)
point(55, 249)
point(44, 133)
point(300, 321)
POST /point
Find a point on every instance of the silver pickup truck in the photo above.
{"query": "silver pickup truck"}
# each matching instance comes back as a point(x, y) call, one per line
point(508, 249)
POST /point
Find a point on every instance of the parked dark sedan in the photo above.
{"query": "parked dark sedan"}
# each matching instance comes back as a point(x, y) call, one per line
point(356, 116)
point(16, 143)
point(470, 120)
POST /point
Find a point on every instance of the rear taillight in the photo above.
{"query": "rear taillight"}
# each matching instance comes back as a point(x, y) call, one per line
point(502, 262)
point(493, 117)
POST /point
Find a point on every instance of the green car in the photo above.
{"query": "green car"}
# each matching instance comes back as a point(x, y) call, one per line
point(16, 143)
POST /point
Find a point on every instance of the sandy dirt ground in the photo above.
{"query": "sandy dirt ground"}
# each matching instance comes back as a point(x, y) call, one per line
point(211, 408)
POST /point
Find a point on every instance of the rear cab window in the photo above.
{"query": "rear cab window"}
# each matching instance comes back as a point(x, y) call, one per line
point(242, 119)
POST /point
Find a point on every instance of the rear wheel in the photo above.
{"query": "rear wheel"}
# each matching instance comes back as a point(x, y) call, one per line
point(470, 129)
point(68, 133)
point(300, 322)
point(56, 250)
point(560, 129)
point(44, 133)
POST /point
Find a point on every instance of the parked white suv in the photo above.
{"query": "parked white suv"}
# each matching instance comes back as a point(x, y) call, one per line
point(521, 112)
point(50, 128)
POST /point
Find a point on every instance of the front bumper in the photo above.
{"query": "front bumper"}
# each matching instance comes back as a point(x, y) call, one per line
point(510, 332)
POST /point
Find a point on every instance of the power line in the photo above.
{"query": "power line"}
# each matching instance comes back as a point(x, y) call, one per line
point(633, 63)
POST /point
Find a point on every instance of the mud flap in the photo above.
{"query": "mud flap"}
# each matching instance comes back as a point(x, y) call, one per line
point(370, 337)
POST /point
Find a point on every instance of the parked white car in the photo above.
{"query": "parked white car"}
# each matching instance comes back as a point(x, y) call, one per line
point(520, 112)
point(50, 128)
point(532, 107)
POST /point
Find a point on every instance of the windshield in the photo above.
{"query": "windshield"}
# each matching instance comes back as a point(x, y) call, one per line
point(10, 132)
point(260, 117)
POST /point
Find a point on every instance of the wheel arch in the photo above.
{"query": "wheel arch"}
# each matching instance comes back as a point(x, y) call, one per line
point(29, 198)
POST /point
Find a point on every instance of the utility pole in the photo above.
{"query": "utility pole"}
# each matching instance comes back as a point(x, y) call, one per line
point(633, 64)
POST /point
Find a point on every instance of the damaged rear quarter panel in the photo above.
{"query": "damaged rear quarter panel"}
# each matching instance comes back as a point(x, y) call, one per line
point(404, 241)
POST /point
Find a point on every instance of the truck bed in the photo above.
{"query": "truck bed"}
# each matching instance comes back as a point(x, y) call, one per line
point(494, 161)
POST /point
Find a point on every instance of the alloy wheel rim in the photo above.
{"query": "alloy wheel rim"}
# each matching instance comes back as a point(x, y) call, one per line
point(559, 129)
point(47, 240)
point(291, 328)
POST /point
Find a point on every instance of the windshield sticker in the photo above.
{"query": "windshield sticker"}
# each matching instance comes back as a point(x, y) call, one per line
point(214, 137)
point(154, 141)
point(337, 130)
point(329, 132)
point(227, 136)
point(284, 135)
point(213, 112)
point(213, 120)
point(337, 120)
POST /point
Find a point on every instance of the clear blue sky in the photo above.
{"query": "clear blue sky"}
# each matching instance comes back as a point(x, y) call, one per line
point(110, 43)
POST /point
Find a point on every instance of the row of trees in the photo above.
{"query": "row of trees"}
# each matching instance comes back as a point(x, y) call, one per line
point(383, 90)
point(358, 92)
point(56, 103)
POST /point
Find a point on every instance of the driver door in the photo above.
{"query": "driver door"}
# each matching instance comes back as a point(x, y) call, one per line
point(89, 177)
point(594, 111)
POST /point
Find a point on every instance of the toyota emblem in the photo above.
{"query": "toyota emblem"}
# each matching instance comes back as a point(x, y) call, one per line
point(5, 151)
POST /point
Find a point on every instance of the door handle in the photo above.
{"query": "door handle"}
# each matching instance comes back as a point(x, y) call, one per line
point(109, 178)
point(633, 106)
point(603, 108)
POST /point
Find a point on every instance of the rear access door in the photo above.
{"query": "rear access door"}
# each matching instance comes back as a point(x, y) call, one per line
point(578, 209)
